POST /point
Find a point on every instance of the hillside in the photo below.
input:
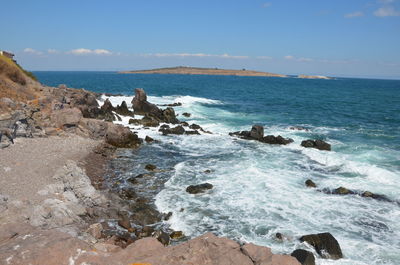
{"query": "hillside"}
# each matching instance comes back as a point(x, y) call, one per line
point(181, 70)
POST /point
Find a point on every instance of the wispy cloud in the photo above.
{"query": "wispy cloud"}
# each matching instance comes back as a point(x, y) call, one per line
point(300, 59)
point(386, 11)
point(52, 51)
point(227, 56)
point(289, 57)
point(264, 57)
point(83, 51)
point(266, 4)
point(354, 14)
point(32, 51)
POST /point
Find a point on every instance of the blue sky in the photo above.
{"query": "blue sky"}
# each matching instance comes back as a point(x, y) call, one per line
point(358, 38)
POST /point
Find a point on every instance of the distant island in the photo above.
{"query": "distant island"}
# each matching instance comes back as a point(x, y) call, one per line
point(182, 70)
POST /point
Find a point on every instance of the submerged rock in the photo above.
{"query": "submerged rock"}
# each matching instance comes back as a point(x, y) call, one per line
point(309, 183)
point(257, 133)
point(325, 244)
point(304, 257)
point(186, 114)
point(194, 189)
point(318, 144)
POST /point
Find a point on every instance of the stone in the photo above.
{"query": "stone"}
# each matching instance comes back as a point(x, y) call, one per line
point(123, 109)
point(270, 139)
point(325, 244)
point(67, 117)
point(124, 222)
point(192, 132)
point(309, 183)
point(257, 132)
point(122, 137)
point(195, 189)
point(304, 257)
point(176, 235)
point(318, 144)
point(150, 167)
point(148, 139)
point(107, 106)
point(186, 114)
point(140, 104)
point(164, 238)
point(176, 130)
point(195, 126)
point(95, 230)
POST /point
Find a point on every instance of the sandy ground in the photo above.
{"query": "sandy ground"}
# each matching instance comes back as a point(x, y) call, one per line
point(29, 165)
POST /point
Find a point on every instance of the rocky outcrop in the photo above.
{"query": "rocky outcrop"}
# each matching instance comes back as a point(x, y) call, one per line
point(325, 245)
point(318, 144)
point(122, 137)
point(140, 104)
point(123, 110)
point(263, 256)
point(175, 130)
point(365, 194)
point(200, 188)
point(304, 257)
point(257, 133)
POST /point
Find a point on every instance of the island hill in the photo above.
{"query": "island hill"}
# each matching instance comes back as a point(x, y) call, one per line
point(184, 70)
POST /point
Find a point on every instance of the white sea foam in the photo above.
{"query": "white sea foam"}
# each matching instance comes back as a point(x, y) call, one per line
point(259, 188)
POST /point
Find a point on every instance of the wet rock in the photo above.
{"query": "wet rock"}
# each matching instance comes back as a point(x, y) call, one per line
point(342, 191)
point(195, 126)
point(270, 139)
point(184, 123)
point(195, 189)
point(309, 183)
point(304, 257)
point(176, 235)
point(207, 171)
point(149, 121)
point(379, 197)
point(279, 236)
point(257, 132)
point(176, 104)
point(122, 137)
point(134, 121)
point(150, 167)
point(318, 144)
point(107, 106)
point(163, 238)
point(186, 114)
point(192, 132)
point(127, 193)
point(167, 216)
point(123, 109)
point(325, 245)
point(164, 126)
point(168, 116)
point(176, 130)
point(298, 128)
point(145, 232)
point(141, 106)
point(148, 139)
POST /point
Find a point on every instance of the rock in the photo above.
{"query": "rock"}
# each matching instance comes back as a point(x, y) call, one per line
point(176, 235)
point(304, 257)
point(298, 128)
point(134, 121)
point(168, 116)
point(140, 104)
point(184, 123)
point(149, 121)
point(192, 132)
point(270, 139)
point(325, 245)
point(309, 183)
point(164, 238)
point(164, 126)
point(122, 137)
point(124, 222)
point(263, 256)
point(107, 106)
point(257, 132)
point(207, 171)
point(379, 197)
point(167, 216)
point(279, 236)
point(145, 232)
point(342, 191)
point(123, 109)
point(176, 130)
point(148, 139)
point(177, 104)
point(194, 189)
point(150, 167)
point(95, 230)
point(67, 117)
point(318, 144)
point(195, 126)
point(186, 114)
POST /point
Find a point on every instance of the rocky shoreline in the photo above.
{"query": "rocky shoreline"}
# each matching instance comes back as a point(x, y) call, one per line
point(79, 215)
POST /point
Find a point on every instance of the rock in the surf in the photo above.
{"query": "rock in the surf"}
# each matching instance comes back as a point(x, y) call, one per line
point(186, 114)
point(123, 109)
point(176, 130)
point(195, 189)
point(257, 132)
point(309, 183)
point(270, 139)
point(304, 257)
point(318, 144)
point(325, 244)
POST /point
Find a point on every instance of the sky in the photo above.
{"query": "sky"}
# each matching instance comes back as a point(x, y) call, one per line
point(350, 38)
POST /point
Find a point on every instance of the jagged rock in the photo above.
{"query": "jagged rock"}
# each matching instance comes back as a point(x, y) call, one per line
point(309, 183)
point(168, 116)
point(176, 235)
point(186, 114)
point(304, 257)
point(325, 245)
point(257, 132)
point(164, 238)
point(195, 126)
point(140, 104)
point(270, 139)
point(167, 216)
point(184, 123)
point(123, 109)
point(122, 137)
point(207, 171)
point(150, 167)
point(148, 139)
point(318, 144)
point(195, 189)
point(176, 130)
point(107, 106)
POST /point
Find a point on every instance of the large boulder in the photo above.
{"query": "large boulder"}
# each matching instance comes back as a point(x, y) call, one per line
point(194, 189)
point(122, 137)
point(123, 109)
point(304, 257)
point(140, 104)
point(67, 117)
point(318, 144)
point(176, 130)
point(263, 256)
point(325, 245)
point(270, 139)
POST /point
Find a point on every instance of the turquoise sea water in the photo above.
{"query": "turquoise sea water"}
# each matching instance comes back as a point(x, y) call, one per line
point(259, 189)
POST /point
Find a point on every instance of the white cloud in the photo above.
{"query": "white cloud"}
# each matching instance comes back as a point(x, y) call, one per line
point(83, 51)
point(264, 57)
point(52, 51)
point(386, 11)
point(267, 4)
point(227, 56)
point(32, 51)
point(354, 14)
point(301, 59)
point(289, 57)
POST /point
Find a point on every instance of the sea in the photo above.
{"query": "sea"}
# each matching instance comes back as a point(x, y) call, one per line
point(259, 188)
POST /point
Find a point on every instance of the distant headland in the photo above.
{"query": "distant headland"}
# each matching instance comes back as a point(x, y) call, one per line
point(182, 70)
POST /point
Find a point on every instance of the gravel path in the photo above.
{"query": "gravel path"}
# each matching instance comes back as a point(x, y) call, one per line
point(29, 165)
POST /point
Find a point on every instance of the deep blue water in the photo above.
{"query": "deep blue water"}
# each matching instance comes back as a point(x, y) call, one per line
point(260, 187)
